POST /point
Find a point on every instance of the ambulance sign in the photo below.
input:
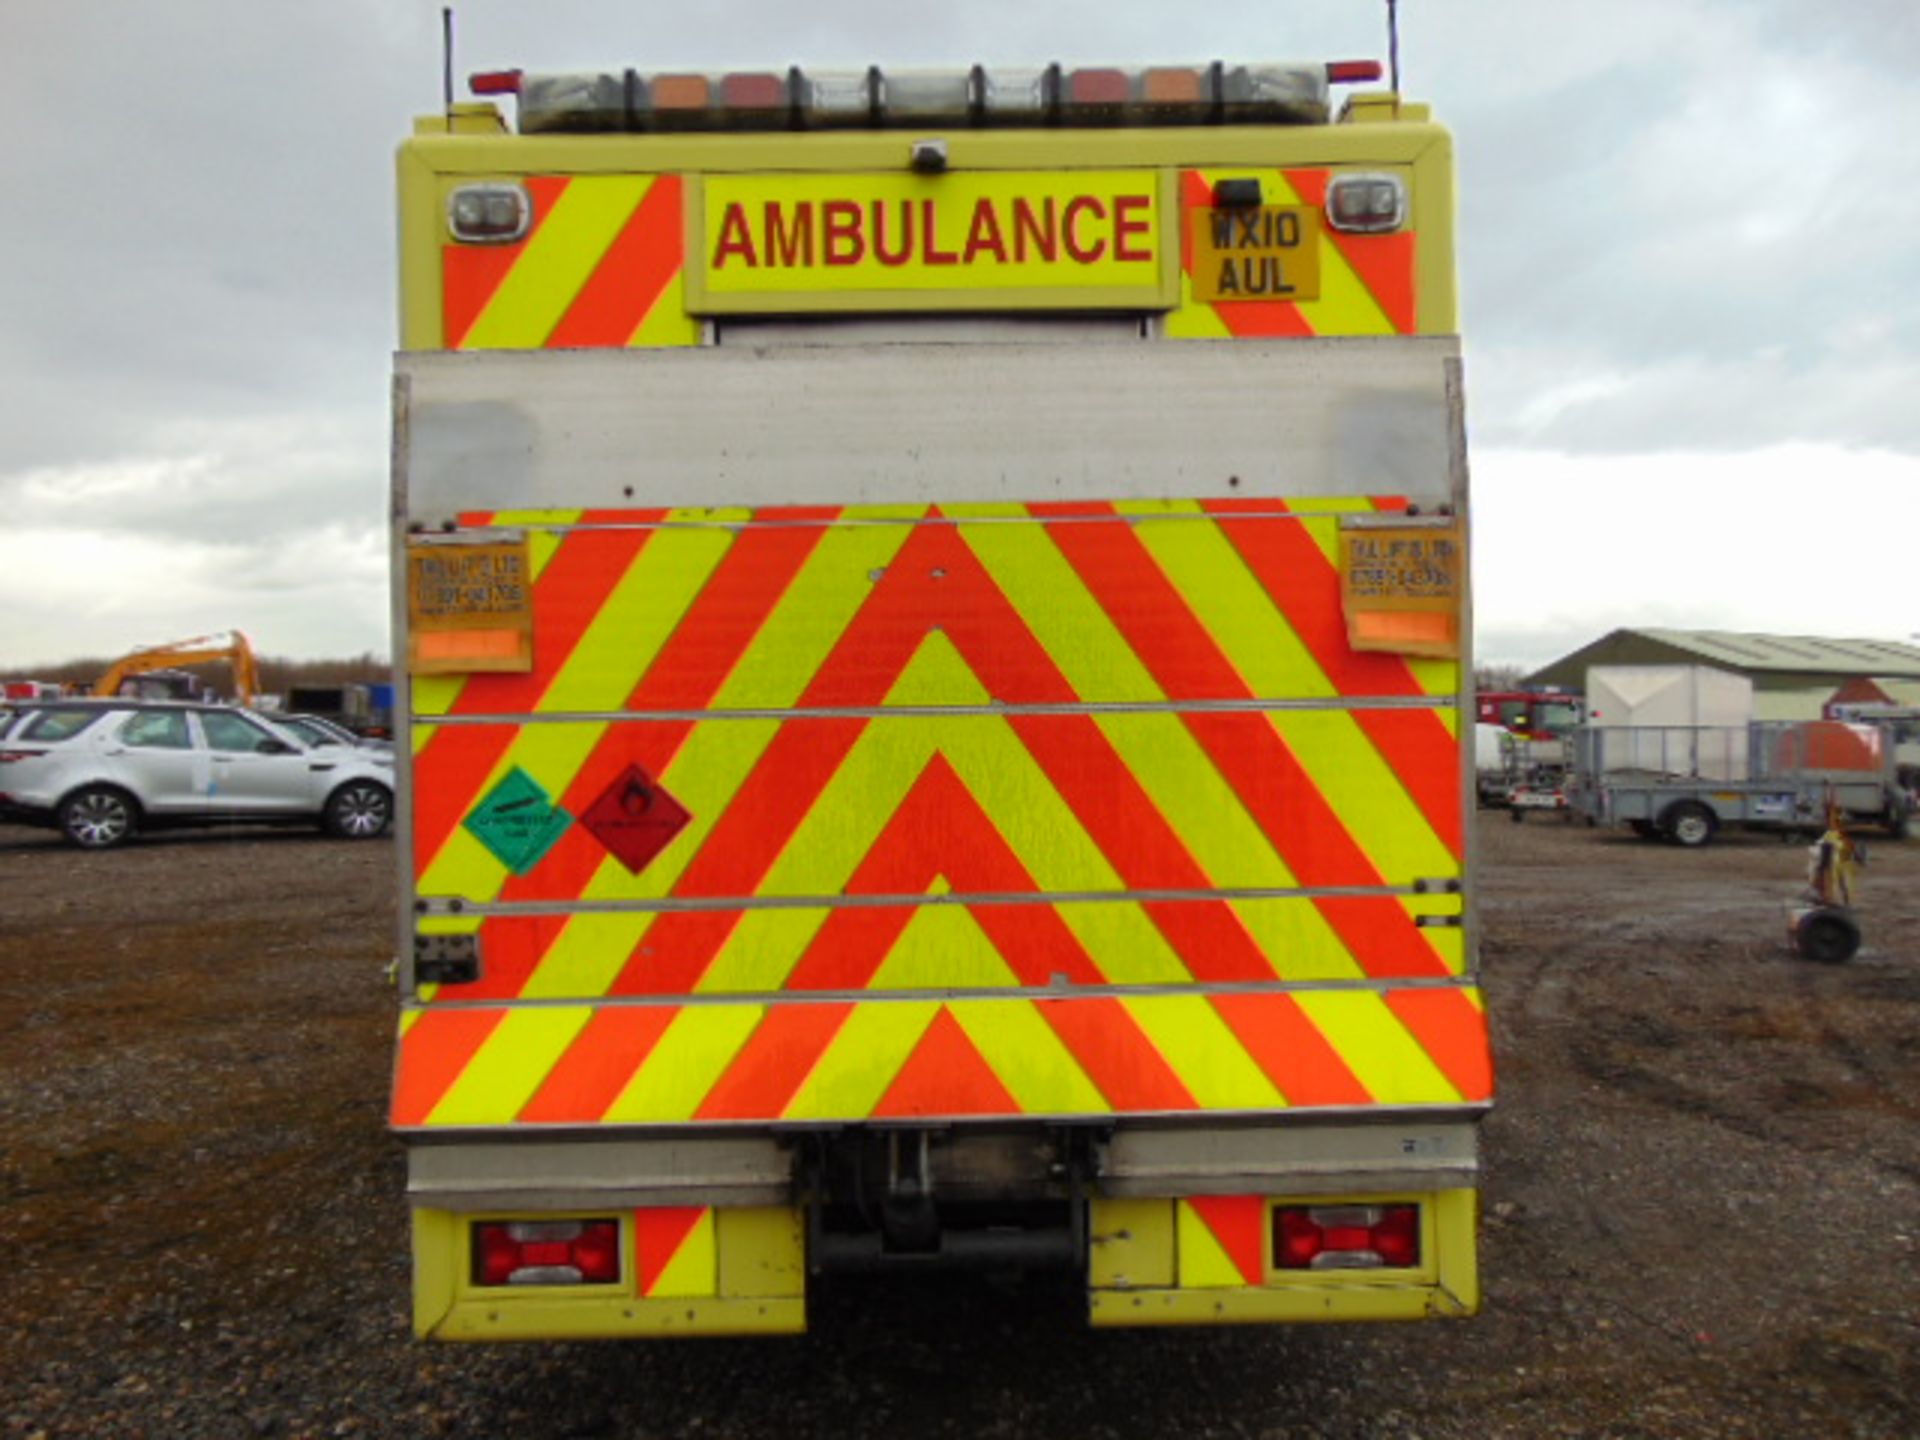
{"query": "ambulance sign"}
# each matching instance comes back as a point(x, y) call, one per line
point(1087, 239)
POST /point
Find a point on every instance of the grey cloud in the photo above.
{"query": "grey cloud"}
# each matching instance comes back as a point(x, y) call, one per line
point(1687, 224)
point(1577, 400)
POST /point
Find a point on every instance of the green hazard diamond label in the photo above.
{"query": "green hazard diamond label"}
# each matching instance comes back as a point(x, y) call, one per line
point(517, 821)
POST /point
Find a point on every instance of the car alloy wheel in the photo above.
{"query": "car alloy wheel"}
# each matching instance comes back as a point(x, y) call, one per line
point(96, 819)
point(360, 811)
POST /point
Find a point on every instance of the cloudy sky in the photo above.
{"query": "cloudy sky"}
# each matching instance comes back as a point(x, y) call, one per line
point(1692, 288)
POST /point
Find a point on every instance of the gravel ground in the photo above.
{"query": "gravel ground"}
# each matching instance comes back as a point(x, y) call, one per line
point(1703, 1190)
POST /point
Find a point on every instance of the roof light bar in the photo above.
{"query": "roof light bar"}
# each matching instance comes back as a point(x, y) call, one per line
point(1017, 94)
point(1086, 95)
point(1352, 72)
point(828, 98)
point(495, 82)
point(1295, 93)
point(926, 97)
point(1160, 95)
point(751, 99)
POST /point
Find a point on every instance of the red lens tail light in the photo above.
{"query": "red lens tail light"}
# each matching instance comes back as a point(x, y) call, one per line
point(1352, 72)
point(547, 1252)
point(1346, 1237)
point(495, 82)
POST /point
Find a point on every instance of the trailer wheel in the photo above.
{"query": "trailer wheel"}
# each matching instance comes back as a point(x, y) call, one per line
point(1689, 824)
point(1827, 935)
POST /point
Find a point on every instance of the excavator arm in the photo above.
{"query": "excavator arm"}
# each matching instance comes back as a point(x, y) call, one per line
point(231, 647)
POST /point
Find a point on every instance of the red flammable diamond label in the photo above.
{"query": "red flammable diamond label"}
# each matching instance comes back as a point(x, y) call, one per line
point(635, 819)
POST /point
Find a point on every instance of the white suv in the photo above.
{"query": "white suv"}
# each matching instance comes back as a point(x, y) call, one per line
point(100, 771)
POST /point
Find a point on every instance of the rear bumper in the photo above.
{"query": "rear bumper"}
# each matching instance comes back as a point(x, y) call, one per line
point(691, 1271)
point(1169, 1225)
point(1211, 1261)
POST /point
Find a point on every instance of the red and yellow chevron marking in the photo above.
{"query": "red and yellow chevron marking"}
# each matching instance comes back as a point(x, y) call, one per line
point(1174, 605)
point(1206, 1260)
point(1220, 1241)
point(636, 1064)
point(690, 1270)
point(676, 1253)
point(1366, 281)
point(825, 692)
point(600, 266)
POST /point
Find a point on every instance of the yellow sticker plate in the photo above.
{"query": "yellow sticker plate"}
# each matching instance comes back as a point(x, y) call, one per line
point(1256, 252)
point(1400, 588)
point(469, 607)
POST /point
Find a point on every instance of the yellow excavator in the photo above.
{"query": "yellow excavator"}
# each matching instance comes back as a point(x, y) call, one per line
point(230, 646)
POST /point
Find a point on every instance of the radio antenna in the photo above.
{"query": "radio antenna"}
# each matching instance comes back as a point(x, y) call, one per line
point(1393, 44)
point(446, 61)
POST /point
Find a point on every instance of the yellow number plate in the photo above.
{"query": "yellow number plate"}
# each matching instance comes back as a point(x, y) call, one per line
point(1256, 252)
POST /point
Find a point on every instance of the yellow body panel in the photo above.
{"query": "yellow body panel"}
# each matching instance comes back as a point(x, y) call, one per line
point(1140, 1246)
point(432, 157)
point(738, 1272)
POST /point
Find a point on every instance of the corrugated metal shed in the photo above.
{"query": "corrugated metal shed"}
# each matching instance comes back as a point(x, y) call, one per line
point(1788, 671)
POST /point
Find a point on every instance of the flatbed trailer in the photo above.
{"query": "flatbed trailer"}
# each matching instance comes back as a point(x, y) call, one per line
point(1685, 783)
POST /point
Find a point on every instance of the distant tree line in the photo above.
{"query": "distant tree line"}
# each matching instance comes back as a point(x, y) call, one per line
point(279, 672)
point(1498, 677)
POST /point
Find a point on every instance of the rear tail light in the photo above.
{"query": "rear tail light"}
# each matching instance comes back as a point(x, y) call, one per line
point(1346, 1237)
point(546, 1252)
point(6, 756)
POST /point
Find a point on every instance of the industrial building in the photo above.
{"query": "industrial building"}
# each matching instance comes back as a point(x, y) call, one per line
point(1793, 675)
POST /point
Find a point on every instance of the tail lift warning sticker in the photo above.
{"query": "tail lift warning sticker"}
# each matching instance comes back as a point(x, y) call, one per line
point(1400, 588)
point(469, 607)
